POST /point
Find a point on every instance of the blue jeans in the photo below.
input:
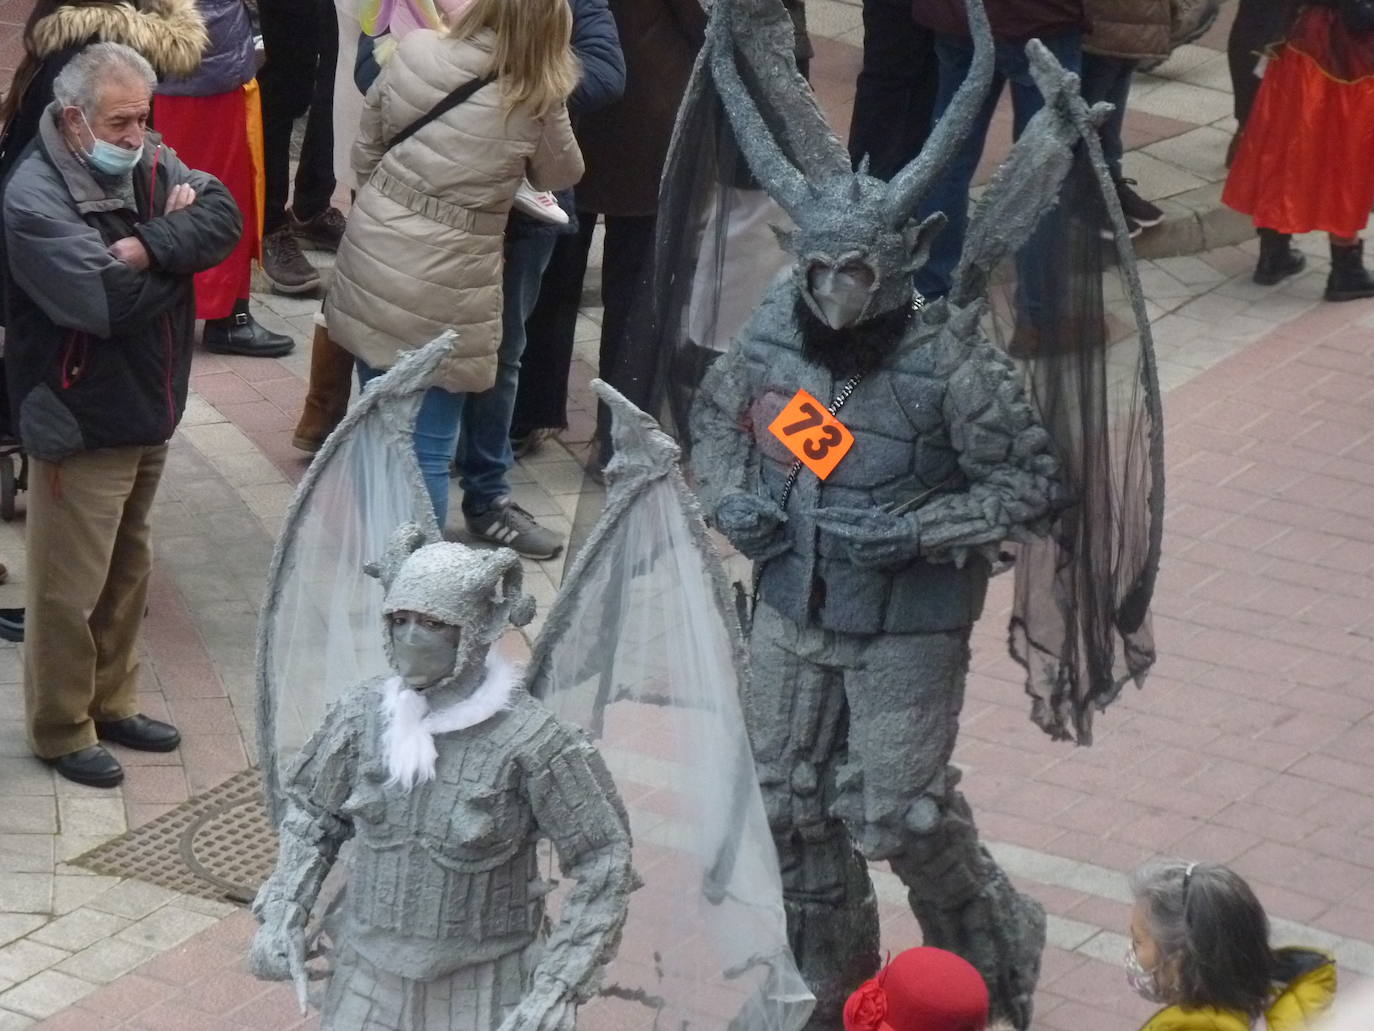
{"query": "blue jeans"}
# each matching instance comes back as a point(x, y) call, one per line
point(436, 432)
point(484, 455)
point(949, 193)
point(1109, 79)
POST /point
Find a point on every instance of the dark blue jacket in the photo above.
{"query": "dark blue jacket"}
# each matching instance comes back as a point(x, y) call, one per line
point(228, 62)
point(596, 43)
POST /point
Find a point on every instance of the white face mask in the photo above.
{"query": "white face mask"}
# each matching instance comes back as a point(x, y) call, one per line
point(424, 655)
point(1143, 982)
point(107, 158)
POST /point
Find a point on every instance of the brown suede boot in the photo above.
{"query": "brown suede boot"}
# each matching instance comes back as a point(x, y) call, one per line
point(331, 380)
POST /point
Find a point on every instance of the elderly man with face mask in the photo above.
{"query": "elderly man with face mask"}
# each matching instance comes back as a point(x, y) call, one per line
point(105, 229)
point(446, 775)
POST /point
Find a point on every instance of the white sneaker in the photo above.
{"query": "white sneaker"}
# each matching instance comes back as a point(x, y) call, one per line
point(539, 204)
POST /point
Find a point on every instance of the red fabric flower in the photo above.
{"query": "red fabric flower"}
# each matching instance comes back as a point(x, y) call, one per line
point(866, 1009)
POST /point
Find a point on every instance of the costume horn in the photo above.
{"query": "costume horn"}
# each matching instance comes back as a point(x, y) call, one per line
point(909, 186)
point(509, 602)
point(405, 540)
point(750, 45)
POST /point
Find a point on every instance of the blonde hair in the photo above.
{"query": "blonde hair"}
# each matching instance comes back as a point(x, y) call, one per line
point(532, 58)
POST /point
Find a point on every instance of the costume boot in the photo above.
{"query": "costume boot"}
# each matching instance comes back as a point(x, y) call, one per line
point(1002, 933)
point(835, 943)
point(1349, 279)
point(1277, 258)
point(331, 380)
point(965, 904)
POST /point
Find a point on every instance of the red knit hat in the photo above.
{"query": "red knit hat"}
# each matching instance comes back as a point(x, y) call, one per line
point(923, 989)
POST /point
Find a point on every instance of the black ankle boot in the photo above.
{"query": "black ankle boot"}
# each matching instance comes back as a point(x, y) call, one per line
point(1349, 279)
point(240, 333)
point(1277, 258)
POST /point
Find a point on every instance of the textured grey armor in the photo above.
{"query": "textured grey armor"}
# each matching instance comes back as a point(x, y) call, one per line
point(440, 925)
point(943, 420)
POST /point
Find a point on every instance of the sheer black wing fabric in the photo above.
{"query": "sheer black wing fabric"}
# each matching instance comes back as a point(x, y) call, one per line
point(1081, 615)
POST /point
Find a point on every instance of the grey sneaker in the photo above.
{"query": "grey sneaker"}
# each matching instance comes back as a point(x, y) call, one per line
point(285, 267)
point(510, 526)
point(324, 231)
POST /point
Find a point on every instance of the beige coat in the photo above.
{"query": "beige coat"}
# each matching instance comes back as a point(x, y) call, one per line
point(422, 252)
point(1132, 29)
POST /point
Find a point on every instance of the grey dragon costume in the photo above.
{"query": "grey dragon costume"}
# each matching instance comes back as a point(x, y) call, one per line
point(439, 790)
point(869, 576)
point(388, 727)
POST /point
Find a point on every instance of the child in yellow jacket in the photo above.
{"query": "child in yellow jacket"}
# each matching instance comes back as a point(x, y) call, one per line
point(1200, 945)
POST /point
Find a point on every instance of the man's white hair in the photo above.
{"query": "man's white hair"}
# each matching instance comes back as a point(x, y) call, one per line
point(86, 74)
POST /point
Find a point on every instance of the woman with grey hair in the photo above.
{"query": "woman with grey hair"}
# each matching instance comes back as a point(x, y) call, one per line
point(1200, 946)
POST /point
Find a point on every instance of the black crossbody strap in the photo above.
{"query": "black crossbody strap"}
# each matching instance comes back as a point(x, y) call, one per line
point(442, 108)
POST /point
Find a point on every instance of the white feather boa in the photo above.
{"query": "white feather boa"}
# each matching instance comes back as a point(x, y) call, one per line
point(410, 726)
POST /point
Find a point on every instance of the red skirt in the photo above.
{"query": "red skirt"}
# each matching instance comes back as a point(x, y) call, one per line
point(1306, 158)
point(216, 134)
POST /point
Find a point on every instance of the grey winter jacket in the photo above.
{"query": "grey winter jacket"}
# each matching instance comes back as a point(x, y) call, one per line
point(97, 353)
point(228, 60)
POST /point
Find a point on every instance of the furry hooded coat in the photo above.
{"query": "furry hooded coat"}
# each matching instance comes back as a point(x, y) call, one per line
point(170, 34)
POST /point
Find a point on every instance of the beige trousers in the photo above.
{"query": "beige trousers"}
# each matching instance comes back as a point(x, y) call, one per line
point(89, 560)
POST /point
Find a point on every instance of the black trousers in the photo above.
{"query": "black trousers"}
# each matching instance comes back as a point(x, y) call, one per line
point(542, 399)
point(1258, 23)
point(896, 88)
point(301, 38)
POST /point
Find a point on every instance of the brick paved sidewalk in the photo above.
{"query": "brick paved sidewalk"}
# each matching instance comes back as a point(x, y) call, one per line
point(1250, 745)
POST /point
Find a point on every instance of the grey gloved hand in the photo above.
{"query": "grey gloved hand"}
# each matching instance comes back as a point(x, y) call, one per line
point(278, 949)
point(754, 524)
point(873, 538)
point(547, 1006)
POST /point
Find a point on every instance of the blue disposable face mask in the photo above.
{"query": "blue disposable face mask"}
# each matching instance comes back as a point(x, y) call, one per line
point(109, 159)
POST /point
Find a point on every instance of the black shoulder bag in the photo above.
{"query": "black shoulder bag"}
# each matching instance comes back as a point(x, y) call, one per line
point(442, 108)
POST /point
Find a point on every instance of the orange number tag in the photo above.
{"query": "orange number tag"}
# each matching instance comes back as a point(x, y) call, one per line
point(817, 438)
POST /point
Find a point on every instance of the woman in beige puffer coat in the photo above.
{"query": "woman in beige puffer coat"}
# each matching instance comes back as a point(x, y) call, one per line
point(422, 252)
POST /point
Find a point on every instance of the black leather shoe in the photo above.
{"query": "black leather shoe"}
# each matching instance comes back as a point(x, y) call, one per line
point(92, 766)
point(240, 333)
point(142, 733)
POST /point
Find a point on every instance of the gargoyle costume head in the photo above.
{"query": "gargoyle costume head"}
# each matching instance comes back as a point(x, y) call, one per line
point(856, 243)
point(463, 599)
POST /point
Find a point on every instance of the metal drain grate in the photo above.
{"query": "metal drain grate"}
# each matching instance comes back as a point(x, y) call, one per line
point(217, 846)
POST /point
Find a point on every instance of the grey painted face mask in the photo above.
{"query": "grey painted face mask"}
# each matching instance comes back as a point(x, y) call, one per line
point(425, 653)
point(841, 294)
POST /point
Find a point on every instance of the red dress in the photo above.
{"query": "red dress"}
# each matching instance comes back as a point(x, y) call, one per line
point(1306, 158)
point(221, 134)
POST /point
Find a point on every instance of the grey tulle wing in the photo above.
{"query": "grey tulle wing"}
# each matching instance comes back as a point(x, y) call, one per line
point(320, 630)
point(642, 649)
